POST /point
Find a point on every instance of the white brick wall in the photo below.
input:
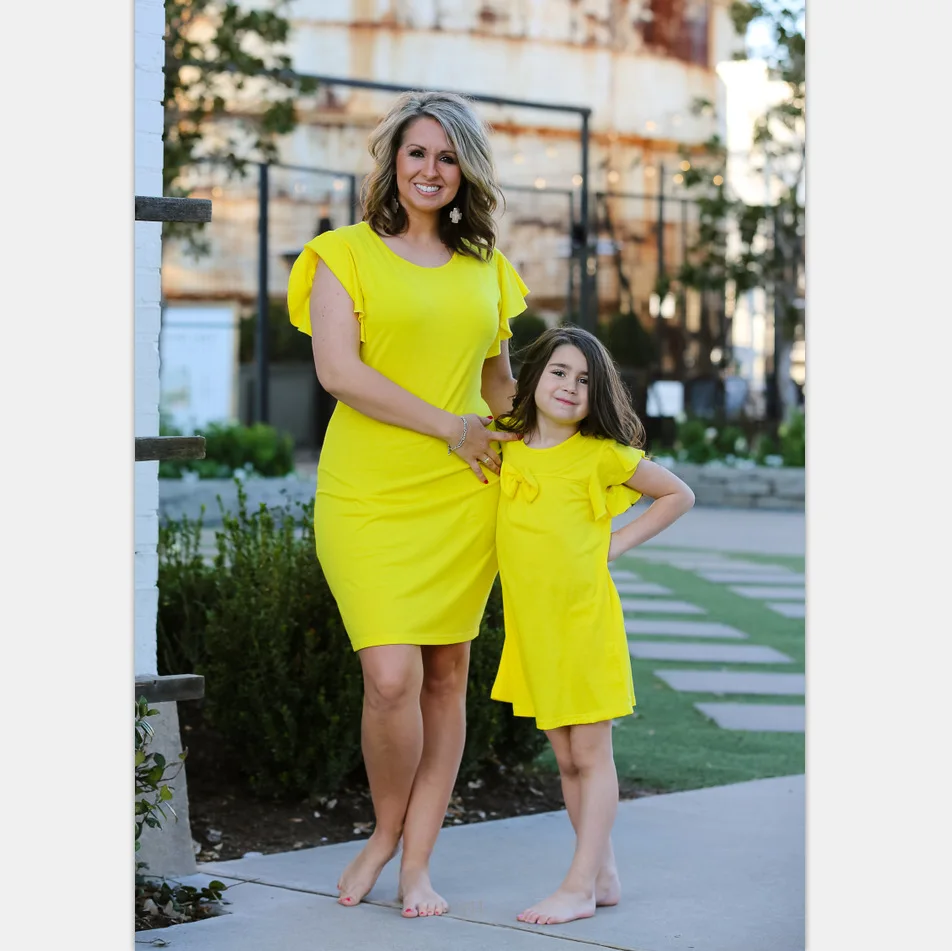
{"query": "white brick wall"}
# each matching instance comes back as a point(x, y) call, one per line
point(149, 54)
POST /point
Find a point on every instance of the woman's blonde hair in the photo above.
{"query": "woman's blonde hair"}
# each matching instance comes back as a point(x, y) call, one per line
point(478, 194)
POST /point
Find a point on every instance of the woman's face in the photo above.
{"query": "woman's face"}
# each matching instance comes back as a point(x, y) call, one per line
point(428, 173)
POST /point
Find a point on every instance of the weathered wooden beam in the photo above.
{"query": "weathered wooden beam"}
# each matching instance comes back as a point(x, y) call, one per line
point(152, 448)
point(173, 209)
point(162, 688)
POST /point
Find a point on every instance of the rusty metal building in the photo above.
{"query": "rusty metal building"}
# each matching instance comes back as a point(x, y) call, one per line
point(639, 64)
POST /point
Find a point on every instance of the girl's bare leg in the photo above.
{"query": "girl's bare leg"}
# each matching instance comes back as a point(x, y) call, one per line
point(392, 742)
point(443, 705)
point(591, 753)
point(607, 883)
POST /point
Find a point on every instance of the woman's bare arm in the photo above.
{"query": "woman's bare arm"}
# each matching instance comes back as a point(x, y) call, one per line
point(335, 343)
point(499, 387)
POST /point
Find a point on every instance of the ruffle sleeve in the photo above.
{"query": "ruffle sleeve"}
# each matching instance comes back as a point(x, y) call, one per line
point(338, 256)
point(512, 294)
point(617, 464)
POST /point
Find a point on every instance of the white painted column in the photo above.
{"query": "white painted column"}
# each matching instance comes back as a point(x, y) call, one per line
point(149, 82)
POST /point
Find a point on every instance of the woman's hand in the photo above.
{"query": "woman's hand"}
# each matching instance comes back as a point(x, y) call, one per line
point(477, 449)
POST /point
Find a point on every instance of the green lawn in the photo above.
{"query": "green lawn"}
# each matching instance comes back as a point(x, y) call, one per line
point(668, 744)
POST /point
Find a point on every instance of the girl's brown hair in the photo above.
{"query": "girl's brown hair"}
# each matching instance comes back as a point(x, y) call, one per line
point(610, 413)
point(478, 194)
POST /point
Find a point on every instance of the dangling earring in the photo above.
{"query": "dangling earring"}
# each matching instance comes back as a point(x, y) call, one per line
point(456, 216)
point(395, 204)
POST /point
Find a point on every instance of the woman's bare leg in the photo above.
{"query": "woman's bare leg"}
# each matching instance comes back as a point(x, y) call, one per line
point(443, 705)
point(607, 883)
point(591, 755)
point(392, 742)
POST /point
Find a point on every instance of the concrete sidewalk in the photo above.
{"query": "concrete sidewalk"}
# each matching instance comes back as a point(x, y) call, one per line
point(718, 869)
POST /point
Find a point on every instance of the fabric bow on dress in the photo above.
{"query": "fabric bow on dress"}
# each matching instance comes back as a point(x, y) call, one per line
point(513, 480)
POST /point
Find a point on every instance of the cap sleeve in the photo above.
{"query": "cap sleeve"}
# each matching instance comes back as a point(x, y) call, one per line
point(512, 293)
point(616, 465)
point(336, 253)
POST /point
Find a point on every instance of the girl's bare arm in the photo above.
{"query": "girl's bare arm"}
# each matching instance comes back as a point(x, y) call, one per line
point(672, 498)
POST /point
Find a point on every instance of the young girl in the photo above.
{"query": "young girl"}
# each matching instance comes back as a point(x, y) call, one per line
point(565, 659)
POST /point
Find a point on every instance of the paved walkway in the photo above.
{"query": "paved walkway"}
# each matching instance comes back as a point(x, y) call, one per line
point(717, 869)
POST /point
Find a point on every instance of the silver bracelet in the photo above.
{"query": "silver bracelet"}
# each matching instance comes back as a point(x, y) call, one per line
point(451, 449)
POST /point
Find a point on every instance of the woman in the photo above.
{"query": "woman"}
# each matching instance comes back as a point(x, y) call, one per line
point(409, 317)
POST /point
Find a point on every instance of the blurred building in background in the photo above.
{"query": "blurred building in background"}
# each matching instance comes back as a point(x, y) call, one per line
point(640, 65)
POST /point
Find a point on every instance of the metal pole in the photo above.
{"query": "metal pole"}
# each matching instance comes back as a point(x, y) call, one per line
point(262, 415)
point(570, 299)
point(659, 325)
point(584, 284)
point(352, 198)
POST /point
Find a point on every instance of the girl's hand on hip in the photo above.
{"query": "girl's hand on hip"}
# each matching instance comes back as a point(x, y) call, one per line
point(477, 450)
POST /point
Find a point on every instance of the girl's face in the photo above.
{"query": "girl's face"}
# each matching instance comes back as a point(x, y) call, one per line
point(428, 173)
point(561, 395)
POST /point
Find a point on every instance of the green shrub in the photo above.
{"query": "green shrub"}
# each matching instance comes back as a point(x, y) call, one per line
point(730, 441)
point(283, 688)
point(693, 442)
point(766, 446)
point(258, 450)
point(630, 343)
point(793, 440)
point(525, 328)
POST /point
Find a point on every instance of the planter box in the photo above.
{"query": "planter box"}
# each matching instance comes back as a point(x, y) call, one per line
point(761, 487)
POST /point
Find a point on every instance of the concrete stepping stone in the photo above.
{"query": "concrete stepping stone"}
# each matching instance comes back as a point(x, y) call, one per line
point(620, 574)
point(657, 606)
point(656, 628)
point(733, 681)
point(788, 608)
point(670, 557)
point(753, 577)
point(775, 592)
point(641, 587)
point(759, 717)
point(707, 653)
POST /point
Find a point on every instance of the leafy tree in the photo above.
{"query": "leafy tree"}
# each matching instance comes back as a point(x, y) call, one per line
point(767, 249)
point(224, 62)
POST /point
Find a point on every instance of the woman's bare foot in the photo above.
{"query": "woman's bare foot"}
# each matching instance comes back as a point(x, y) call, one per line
point(418, 896)
point(361, 874)
point(560, 907)
point(607, 887)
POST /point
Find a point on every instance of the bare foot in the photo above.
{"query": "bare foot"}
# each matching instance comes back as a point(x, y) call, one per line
point(418, 896)
point(607, 887)
point(560, 907)
point(361, 874)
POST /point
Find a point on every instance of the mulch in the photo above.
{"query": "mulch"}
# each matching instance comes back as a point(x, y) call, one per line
point(228, 822)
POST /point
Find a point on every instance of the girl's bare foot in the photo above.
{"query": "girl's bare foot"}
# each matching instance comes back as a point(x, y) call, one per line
point(418, 896)
point(560, 907)
point(607, 887)
point(361, 874)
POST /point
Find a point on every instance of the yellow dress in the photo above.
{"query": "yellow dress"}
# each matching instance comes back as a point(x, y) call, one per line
point(405, 533)
point(565, 659)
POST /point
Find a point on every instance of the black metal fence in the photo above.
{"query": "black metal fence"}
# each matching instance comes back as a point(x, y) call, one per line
point(639, 240)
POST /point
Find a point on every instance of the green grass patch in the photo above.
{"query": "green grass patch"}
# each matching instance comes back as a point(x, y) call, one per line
point(669, 744)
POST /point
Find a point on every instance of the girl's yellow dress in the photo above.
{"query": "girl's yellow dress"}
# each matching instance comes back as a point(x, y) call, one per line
point(405, 532)
point(565, 659)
